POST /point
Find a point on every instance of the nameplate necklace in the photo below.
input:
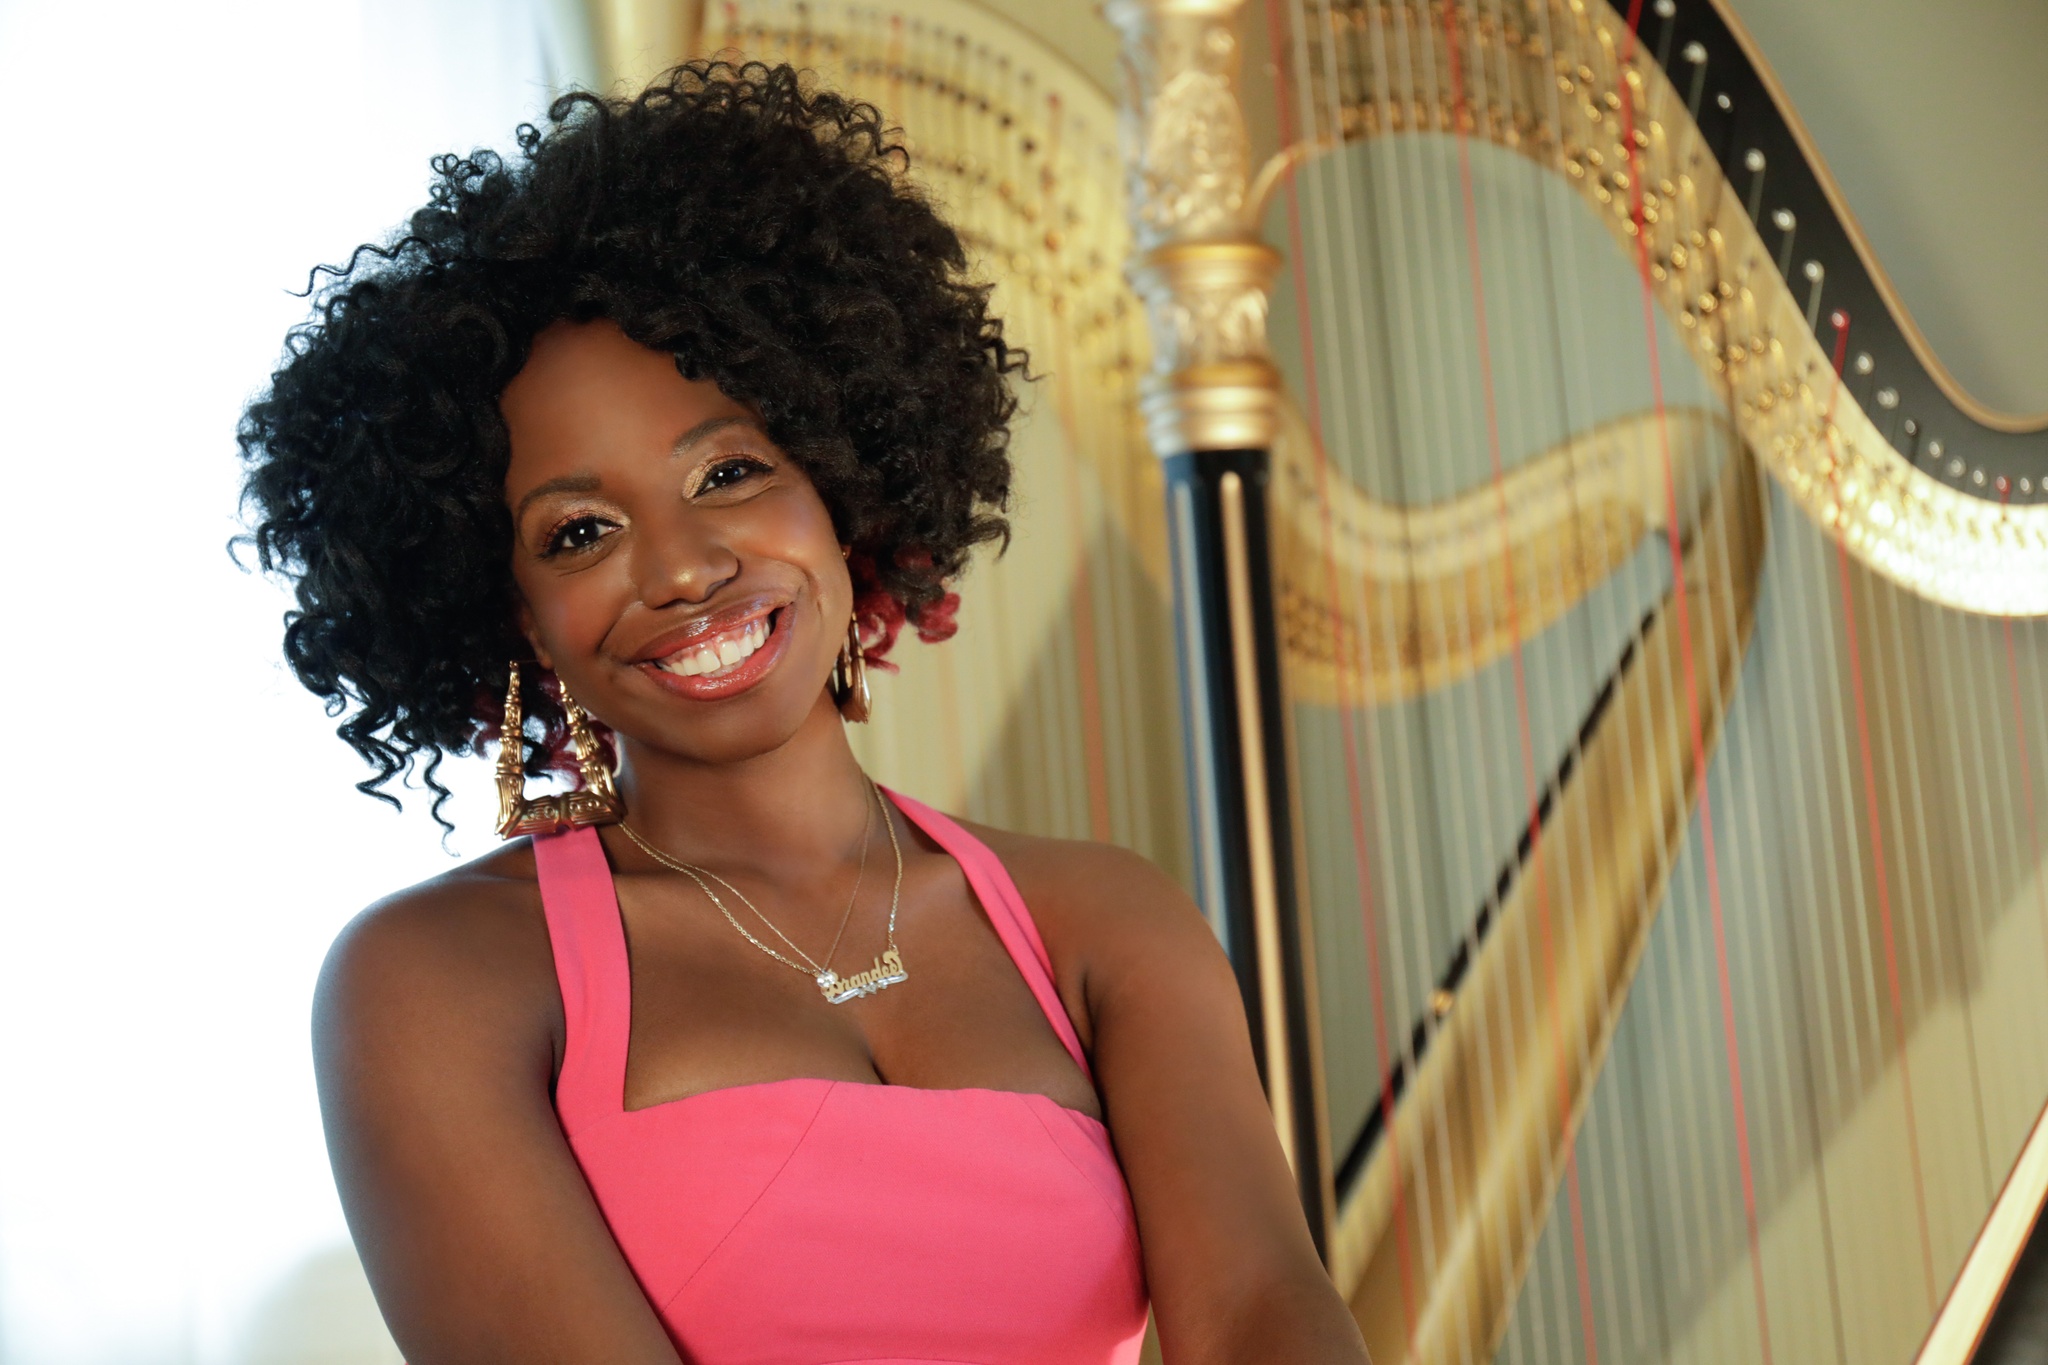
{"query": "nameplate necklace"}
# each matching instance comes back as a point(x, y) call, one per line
point(887, 968)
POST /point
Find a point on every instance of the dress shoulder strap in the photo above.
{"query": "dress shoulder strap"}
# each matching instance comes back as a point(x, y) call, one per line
point(998, 894)
point(592, 969)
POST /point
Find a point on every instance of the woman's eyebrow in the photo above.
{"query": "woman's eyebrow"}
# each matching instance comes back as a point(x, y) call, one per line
point(590, 483)
point(708, 427)
point(568, 483)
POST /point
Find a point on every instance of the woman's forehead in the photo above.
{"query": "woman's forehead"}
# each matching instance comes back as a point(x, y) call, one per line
point(591, 398)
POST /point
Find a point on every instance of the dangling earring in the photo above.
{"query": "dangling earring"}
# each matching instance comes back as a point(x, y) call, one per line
point(850, 676)
point(597, 803)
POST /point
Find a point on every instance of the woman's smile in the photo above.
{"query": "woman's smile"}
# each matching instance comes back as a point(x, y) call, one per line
point(720, 655)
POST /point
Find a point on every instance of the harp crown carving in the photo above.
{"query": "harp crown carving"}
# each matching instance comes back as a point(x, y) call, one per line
point(1199, 267)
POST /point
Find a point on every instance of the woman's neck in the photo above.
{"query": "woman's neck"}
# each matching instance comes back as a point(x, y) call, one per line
point(786, 815)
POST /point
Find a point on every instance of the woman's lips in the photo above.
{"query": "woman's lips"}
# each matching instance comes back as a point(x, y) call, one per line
point(725, 663)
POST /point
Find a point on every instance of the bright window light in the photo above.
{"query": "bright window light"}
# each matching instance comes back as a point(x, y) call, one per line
point(183, 839)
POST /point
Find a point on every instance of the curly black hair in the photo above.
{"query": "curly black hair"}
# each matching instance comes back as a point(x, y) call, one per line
point(761, 230)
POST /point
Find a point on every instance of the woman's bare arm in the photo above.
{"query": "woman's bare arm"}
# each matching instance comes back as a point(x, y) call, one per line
point(1234, 1277)
point(434, 1038)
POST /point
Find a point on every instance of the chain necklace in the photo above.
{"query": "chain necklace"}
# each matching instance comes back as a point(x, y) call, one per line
point(809, 966)
point(887, 969)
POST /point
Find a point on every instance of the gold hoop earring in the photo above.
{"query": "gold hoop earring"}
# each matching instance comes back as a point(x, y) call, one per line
point(850, 677)
point(597, 803)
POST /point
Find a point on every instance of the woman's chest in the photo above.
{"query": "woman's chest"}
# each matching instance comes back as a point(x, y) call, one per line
point(710, 1009)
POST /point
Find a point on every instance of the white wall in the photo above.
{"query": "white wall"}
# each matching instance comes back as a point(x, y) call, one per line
point(184, 840)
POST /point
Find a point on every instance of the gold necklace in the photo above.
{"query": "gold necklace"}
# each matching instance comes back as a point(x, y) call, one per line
point(887, 970)
point(809, 966)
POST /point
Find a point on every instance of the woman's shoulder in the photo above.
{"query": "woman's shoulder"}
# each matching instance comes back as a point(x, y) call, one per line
point(463, 911)
point(1090, 895)
point(1114, 924)
point(1080, 868)
point(471, 942)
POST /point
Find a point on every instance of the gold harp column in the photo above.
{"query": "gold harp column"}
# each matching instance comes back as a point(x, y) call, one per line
point(637, 40)
point(1211, 404)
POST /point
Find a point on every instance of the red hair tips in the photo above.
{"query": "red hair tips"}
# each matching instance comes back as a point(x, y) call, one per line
point(879, 615)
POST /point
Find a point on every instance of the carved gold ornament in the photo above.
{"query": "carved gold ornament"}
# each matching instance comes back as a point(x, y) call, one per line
point(1199, 266)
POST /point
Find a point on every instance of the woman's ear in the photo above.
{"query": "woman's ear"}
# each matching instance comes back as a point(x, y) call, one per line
point(526, 629)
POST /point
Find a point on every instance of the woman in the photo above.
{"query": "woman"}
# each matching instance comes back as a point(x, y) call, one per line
point(679, 420)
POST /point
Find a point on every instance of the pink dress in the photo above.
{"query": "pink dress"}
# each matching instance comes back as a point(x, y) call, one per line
point(807, 1222)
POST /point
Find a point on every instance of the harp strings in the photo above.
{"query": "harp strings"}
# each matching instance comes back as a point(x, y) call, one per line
point(1295, 53)
point(1786, 1089)
point(1739, 1120)
point(1817, 786)
point(1933, 1135)
point(2032, 827)
point(1466, 93)
point(1362, 872)
point(1882, 877)
point(1499, 100)
point(1607, 1151)
point(1921, 918)
point(1425, 1160)
point(1799, 585)
point(1609, 1156)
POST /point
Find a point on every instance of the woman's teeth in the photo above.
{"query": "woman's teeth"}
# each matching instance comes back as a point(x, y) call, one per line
point(721, 653)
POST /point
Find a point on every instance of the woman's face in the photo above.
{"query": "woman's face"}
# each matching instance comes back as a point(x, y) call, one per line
point(677, 571)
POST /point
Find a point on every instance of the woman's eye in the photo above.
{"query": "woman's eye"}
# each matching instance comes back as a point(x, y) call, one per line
point(577, 534)
point(726, 473)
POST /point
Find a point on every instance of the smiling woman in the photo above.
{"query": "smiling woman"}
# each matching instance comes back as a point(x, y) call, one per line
point(753, 235)
point(616, 520)
point(675, 424)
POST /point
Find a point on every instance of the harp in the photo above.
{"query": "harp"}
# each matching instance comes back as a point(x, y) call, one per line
point(1607, 641)
point(1613, 660)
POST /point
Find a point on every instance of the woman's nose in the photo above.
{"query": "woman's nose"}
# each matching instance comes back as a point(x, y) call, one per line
point(681, 559)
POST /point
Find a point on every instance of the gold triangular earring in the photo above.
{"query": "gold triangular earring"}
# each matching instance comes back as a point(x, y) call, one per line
point(598, 803)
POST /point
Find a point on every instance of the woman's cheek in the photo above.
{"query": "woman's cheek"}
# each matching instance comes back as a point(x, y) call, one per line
point(572, 612)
